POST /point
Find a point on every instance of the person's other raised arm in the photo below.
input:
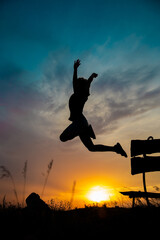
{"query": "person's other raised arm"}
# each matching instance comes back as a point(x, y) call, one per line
point(76, 65)
point(94, 75)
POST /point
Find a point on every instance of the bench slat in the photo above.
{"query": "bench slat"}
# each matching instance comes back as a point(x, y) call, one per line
point(139, 147)
point(147, 164)
point(139, 194)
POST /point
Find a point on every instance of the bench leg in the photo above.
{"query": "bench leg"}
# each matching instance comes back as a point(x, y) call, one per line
point(133, 202)
point(147, 200)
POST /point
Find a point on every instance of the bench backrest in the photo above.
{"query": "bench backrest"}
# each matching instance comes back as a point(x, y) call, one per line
point(145, 163)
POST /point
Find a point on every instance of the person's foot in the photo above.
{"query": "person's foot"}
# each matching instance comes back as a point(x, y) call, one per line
point(119, 150)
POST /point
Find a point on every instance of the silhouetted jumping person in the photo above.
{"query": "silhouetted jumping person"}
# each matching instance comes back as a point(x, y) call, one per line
point(79, 126)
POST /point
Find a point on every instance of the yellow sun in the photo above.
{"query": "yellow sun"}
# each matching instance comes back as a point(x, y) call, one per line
point(98, 194)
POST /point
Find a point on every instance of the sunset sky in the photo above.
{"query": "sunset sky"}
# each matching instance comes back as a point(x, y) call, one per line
point(39, 41)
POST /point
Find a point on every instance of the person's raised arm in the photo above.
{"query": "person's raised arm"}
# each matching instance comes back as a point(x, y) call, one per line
point(94, 75)
point(76, 65)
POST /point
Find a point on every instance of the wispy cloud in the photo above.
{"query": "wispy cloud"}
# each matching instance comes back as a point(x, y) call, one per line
point(125, 94)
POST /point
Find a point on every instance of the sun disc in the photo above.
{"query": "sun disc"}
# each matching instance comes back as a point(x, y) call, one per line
point(98, 194)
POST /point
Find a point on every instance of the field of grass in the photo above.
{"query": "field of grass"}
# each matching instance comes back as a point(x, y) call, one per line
point(88, 222)
point(59, 221)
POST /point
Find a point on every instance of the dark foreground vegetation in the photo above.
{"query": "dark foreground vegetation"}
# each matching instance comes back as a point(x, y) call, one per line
point(100, 222)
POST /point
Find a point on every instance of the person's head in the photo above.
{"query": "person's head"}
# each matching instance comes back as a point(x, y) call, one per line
point(83, 86)
point(32, 199)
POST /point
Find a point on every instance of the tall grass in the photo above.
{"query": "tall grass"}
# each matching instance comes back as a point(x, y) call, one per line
point(24, 173)
point(47, 175)
point(72, 195)
point(5, 173)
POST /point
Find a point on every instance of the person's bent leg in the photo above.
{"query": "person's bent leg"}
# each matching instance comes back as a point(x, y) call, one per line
point(69, 133)
point(63, 137)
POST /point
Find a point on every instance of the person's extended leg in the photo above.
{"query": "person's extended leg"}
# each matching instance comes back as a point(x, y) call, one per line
point(86, 140)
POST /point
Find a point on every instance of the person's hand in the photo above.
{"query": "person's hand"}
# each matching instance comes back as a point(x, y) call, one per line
point(94, 75)
point(77, 63)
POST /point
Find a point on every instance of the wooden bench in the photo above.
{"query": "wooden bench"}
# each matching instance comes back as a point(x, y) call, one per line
point(144, 164)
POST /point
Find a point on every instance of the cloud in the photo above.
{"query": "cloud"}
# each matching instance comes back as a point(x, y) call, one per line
point(124, 88)
point(121, 104)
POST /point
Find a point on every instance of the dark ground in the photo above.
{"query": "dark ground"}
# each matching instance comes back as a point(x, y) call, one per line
point(101, 223)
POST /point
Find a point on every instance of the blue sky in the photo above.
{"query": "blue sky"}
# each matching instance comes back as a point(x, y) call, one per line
point(32, 29)
point(39, 41)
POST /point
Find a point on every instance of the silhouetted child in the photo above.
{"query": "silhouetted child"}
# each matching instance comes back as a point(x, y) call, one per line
point(79, 126)
point(38, 212)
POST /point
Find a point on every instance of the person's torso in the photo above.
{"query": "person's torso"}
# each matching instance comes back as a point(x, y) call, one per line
point(76, 105)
